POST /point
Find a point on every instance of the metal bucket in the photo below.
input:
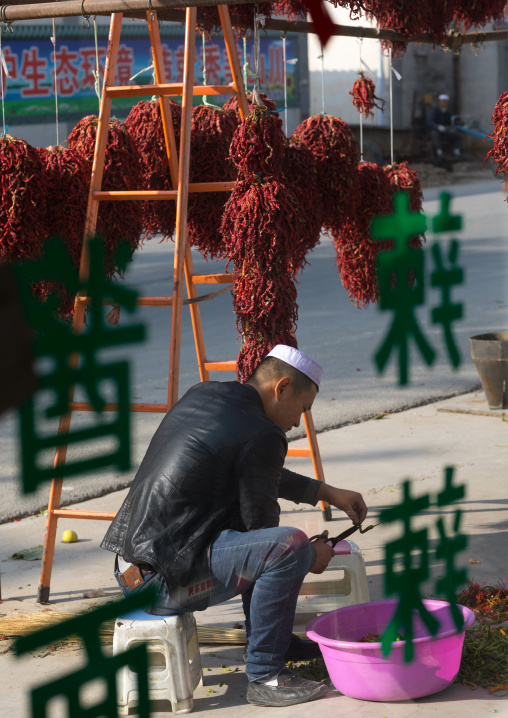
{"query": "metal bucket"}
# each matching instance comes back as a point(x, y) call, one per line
point(490, 356)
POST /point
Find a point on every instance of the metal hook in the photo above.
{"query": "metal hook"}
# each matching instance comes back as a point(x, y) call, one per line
point(85, 16)
point(7, 23)
point(152, 12)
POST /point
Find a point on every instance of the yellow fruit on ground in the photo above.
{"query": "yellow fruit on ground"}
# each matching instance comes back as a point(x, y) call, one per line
point(69, 536)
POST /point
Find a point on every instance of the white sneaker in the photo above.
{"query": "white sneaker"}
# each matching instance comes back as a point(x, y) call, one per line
point(456, 152)
point(439, 152)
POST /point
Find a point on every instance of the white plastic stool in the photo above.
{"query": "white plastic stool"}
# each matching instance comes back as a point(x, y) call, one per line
point(318, 597)
point(173, 657)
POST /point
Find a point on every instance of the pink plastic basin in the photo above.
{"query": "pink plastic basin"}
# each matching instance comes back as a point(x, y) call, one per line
point(360, 670)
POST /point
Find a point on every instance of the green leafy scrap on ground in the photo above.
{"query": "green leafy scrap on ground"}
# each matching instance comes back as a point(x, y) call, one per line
point(28, 554)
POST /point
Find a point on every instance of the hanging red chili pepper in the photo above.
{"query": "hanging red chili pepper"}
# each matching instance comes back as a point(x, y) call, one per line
point(477, 14)
point(356, 253)
point(364, 96)
point(117, 221)
point(259, 226)
point(231, 105)
point(144, 124)
point(293, 10)
point(499, 152)
point(299, 171)
point(258, 143)
point(212, 131)
point(404, 179)
point(210, 23)
point(67, 177)
point(23, 200)
point(337, 154)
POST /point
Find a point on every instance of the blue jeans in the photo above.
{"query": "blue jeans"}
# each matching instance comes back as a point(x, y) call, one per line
point(267, 568)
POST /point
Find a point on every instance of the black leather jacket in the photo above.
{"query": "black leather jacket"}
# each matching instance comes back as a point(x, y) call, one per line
point(215, 462)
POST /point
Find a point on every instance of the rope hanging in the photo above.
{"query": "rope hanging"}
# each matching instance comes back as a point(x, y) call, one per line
point(259, 21)
point(205, 97)
point(3, 72)
point(53, 40)
point(284, 79)
point(322, 58)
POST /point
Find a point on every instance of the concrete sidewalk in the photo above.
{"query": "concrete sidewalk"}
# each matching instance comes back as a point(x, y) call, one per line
point(373, 457)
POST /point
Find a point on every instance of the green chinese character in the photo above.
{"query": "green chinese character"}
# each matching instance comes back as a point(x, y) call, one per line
point(74, 362)
point(98, 666)
point(401, 284)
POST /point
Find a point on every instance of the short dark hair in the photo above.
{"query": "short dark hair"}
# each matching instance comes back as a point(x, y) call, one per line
point(273, 368)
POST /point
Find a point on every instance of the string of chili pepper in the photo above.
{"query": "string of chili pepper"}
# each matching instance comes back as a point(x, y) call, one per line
point(144, 124)
point(212, 132)
point(67, 177)
point(231, 105)
point(337, 154)
point(259, 225)
point(356, 253)
point(117, 221)
point(299, 170)
point(23, 200)
point(245, 13)
point(364, 96)
point(499, 134)
point(293, 10)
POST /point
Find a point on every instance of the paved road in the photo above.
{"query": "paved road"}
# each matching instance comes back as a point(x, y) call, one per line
point(340, 336)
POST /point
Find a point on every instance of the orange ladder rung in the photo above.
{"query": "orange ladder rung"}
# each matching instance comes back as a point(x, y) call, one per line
point(143, 408)
point(213, 278)
point(173, 89)
point(159, 195)
point(82, 514)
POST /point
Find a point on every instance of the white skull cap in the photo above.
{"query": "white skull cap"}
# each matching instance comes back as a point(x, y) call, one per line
point(443, 97)
point(298, 360)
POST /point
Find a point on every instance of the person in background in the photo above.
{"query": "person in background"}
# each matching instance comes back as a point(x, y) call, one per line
point(442, 132)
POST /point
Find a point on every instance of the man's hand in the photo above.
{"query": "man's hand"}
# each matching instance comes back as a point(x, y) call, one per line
point(324, 552)
point(441, 128)
point(351, 502)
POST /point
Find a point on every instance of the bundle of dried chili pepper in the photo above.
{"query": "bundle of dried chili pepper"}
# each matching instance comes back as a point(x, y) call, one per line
point(212, 131)
point(356, 253)
point(293, 10)
point(337, 155)
point(404, 179)
point(23, 200)
point(259, 225)
point(355, 7)
point(117, 221)
point(299, 171)
point(500, 135)
point(427, 16)
point(210, 23)
point(258, 143)
point(477, 14)
point(364, 96)
point(67, 176)
point(231, 105)
point(144, 124)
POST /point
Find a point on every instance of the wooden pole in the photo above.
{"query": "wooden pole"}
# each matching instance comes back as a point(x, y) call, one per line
point(79, 305)
point(167, 10)
point(181, 205)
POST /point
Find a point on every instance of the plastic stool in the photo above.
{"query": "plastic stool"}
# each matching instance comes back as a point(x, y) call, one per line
point(318, 597)
point(173, 657)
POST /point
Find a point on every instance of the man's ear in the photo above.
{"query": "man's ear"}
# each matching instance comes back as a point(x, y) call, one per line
point(281, 387)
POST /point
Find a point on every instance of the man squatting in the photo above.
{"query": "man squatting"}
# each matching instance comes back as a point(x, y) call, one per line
point(201, 520)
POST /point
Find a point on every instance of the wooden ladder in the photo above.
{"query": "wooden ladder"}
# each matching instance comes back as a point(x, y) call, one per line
point(183, 266)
